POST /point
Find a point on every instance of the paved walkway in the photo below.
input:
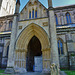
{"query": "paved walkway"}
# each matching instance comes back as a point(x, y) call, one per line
point(32, 73)
point(36, 73)
point(63, 73)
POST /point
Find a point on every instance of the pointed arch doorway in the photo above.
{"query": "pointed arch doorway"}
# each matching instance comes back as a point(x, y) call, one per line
point(25, 48)
point(34, 51)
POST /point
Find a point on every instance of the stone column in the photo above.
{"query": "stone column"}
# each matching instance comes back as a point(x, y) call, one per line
point(62, 19)
point(59, 19)
point(40, 11)
point(10, 64)
point(73, 16)
point(49, 3)
point(65, 22)
point(34, 11)
point(53, 38)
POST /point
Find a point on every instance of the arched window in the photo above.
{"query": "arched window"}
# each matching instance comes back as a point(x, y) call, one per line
point(68, 18)
point(10, 24)
point(7, 50)
point(30, 15)
point(33, 13)
point(60, 47)
point(56, 19)
point(36, 14)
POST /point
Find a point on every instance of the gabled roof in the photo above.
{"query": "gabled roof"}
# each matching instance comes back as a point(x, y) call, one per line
point(27, 4)
point(64, 7)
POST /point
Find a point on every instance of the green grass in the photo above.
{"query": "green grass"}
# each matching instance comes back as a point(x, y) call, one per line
point(70, 72)
point(2, 71)
point(4, 74)
point(66, 71)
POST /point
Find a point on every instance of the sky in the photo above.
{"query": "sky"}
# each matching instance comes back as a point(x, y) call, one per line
point(56, 3)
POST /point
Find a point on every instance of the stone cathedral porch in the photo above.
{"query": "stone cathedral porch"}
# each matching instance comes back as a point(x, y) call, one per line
point(32, 44)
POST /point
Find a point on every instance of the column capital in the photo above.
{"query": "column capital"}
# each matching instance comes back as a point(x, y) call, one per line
point(50, 8)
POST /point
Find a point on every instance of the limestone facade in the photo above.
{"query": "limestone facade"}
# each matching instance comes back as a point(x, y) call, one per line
point(26, 26)
point(7, 7)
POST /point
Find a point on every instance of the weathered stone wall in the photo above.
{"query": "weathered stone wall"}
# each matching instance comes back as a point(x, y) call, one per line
point(3, 50)
point(73, 38)
point(61, 14)
point(72, 60)
point(68, 40)
point(42, 22)
point(5, 24)
point(7, 7)
point(63, 62)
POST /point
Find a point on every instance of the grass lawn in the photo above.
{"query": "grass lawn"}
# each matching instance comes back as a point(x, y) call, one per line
point(2, 71)
point(70, 72)
point(66, 71)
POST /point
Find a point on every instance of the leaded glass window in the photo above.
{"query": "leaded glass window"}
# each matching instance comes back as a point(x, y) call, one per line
point(68, 18)
point(56, 19)
point(33, 13)
point(60, 47)
point(10, 24)
point(36, 14)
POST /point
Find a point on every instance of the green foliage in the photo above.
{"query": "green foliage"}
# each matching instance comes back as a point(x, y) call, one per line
point(72, 54)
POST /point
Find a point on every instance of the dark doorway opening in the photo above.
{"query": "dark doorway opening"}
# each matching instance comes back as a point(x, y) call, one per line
point(34, 49)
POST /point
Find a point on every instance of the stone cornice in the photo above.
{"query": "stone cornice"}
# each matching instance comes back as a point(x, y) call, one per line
point(69, 41)
point(6, 16)
point(33, 19)
point(6, 35)
point(50, 8)
point(65, 29)
point(2, 34)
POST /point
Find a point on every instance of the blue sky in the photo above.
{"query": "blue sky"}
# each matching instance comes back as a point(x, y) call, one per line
point(56, 3)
